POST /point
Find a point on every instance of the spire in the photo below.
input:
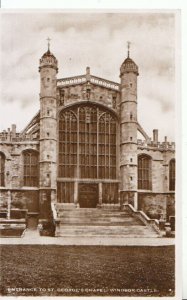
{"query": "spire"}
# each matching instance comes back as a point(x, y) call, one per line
point(48, 43)
point(128, 65)
point(128, 49)
point(48, 59)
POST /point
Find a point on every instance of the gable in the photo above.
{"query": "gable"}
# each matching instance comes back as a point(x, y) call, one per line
point(92, 88)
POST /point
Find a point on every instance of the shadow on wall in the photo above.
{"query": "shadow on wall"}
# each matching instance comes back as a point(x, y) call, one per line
point(157, 206)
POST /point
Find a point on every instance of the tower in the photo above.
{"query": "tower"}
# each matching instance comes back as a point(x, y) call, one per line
point(128, 131)
point(48, 131)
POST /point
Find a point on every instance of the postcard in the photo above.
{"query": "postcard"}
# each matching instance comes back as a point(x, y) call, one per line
point(88, 184)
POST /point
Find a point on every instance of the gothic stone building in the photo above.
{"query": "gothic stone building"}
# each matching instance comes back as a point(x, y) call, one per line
point(82, 149)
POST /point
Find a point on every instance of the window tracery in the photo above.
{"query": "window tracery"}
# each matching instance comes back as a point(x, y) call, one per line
point(87, 143)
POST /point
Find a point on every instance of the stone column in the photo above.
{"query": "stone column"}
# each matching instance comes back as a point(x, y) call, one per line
point(53, 196)
point(136, 201)
point(100, 195)
point(76, 201)
point(9, 204)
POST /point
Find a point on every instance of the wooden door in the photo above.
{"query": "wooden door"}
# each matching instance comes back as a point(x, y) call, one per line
point(88, 195)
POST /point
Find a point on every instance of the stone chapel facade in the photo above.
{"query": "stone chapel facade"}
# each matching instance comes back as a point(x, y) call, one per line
point(81, 149)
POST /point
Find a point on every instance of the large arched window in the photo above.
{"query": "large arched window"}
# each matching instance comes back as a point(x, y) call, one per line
point(87, 142)
point(172, 175)
point(2, 169)
point(31, 171)
point(144, 172)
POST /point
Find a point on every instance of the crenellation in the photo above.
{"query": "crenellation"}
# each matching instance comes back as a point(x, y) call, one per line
point(158, 145)
point(12, 137)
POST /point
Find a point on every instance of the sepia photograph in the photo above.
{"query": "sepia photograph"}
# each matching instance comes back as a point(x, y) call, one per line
point(87, 152)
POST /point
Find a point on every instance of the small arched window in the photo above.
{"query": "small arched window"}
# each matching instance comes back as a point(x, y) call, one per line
point(2, 169)
point(172, 175)
point(144, 172)
point(31, 171)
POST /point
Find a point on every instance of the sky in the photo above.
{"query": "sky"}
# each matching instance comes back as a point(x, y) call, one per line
point(97, 40)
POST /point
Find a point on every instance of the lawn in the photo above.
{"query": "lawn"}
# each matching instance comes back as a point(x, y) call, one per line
point(36, 270)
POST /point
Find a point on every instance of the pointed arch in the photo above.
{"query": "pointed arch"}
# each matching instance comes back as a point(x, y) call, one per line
point(87, 150)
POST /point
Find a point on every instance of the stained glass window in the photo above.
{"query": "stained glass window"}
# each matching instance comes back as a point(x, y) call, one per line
point(87, 143)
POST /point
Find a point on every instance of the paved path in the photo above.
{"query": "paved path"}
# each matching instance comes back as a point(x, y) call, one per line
point(33, 238)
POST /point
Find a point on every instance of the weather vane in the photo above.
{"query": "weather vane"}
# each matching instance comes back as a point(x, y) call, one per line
point(48, 39)
point(128, 47)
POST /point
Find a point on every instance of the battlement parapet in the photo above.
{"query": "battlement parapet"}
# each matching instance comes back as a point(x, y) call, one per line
point(10, 137)
point(156, 145)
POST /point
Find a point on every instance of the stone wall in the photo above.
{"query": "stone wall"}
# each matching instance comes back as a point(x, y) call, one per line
point(157, 205)
point(160, 168)
point(102, 95)
point(24, 199)
point(45, 204)
point(14, 162)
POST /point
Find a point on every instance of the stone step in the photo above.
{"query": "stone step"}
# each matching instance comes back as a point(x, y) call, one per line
point(87, 222)
point(84, 212)
point(73, 208)
point(96, 217)
point(133, 231)
point(107, 221)
point(95, 214)
point(100, 224)
point(92, 211)
point(101, 217)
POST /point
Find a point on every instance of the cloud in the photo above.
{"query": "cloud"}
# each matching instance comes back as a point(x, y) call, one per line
point(90, 39)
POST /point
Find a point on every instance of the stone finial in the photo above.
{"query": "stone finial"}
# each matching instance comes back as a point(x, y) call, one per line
point(87, 73)
point(13, 130)
point(155, 135)
point(48, 43)
point(128, 49)
point(88, 70)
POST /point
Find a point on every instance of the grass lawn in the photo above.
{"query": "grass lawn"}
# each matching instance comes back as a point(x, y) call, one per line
point(36, 270)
